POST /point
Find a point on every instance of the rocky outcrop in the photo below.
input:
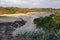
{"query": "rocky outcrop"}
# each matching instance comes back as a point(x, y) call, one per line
point(18, 24)
point(7, 27)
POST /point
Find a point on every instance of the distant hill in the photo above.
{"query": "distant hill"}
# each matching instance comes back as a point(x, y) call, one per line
point(13, 10)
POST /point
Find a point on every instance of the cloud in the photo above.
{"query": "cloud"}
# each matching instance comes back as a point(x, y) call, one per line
point(35, 3)
point(31, 3)
point(11, 2)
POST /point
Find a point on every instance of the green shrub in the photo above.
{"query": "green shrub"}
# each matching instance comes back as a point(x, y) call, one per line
point(33, 34)
point(50, 25)
point(49, 35)
point(48, 22)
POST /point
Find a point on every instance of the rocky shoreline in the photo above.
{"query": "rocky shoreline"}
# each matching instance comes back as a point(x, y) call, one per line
point(14, 24)
point(6, 28)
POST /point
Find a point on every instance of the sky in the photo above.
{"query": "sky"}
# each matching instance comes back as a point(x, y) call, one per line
point(31, 3)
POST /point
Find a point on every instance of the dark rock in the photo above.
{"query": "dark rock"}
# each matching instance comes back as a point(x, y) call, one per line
point(6, 28)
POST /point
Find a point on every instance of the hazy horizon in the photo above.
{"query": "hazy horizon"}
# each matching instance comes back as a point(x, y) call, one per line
point(31, 3)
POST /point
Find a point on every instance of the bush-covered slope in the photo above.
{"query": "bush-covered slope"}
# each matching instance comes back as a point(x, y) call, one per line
point(12, 10)
point(50, 25)
point(48, 22)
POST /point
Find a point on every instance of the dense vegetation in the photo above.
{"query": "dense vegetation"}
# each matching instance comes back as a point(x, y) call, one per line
point(50, 25)
point(12, 10)
point(48, 22)
point(48, 28)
